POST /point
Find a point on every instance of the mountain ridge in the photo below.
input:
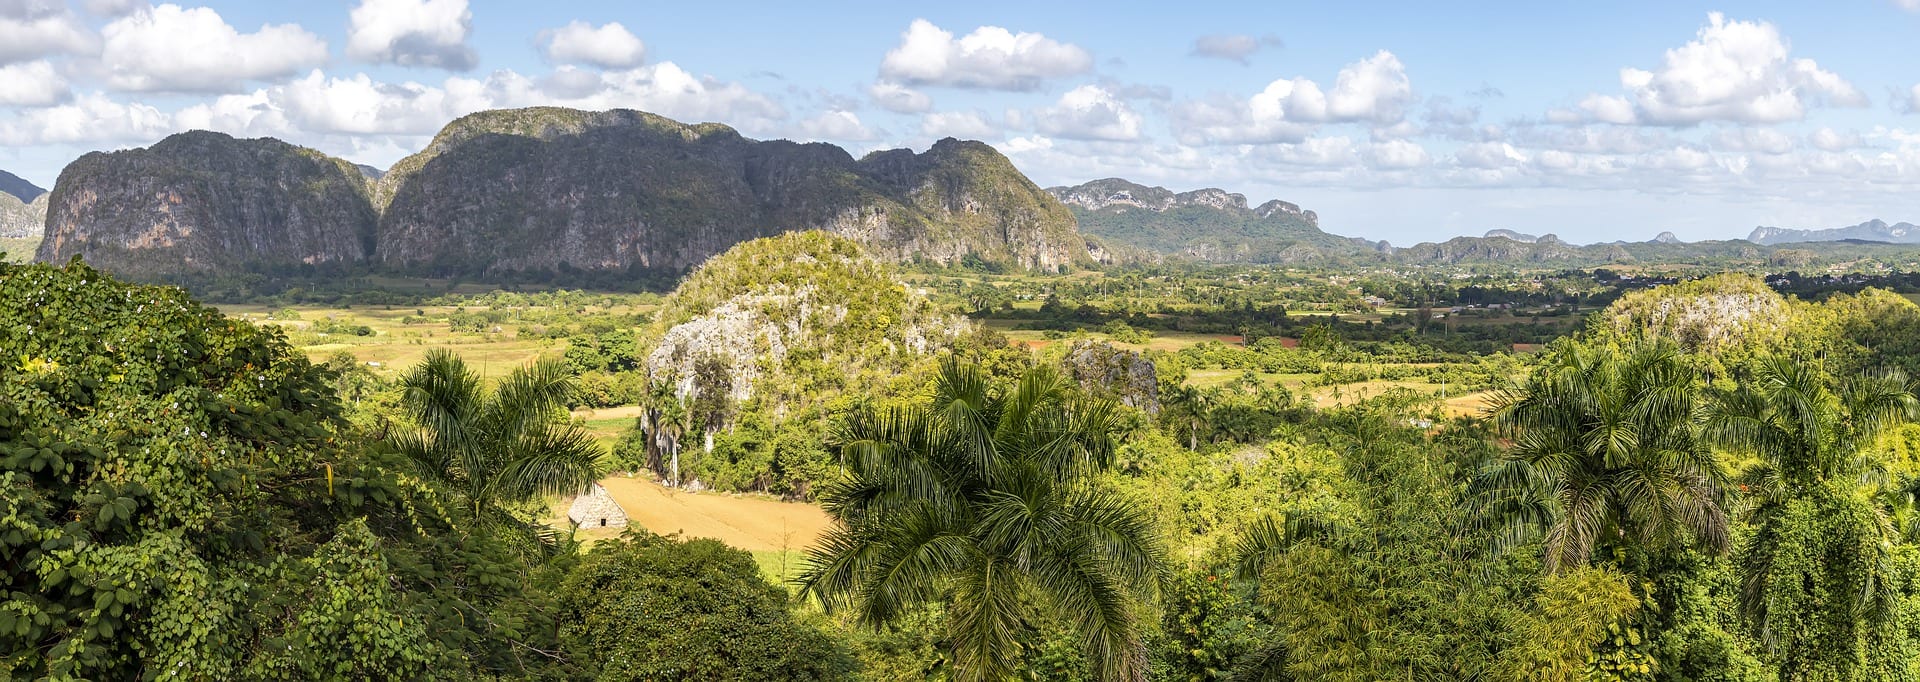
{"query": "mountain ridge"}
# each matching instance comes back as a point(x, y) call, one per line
point(547, 189)
point(1875, 230)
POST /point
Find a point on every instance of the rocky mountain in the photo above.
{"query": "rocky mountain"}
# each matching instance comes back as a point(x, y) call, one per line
point(201, 201)
point(546, 188)
point(18, 188)
point(1875, 230)
point(1516, 236)
point(19, 220)
point(1206, 224)
point(1667, 238)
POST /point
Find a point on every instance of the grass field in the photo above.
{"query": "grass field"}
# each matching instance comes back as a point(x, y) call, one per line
point(394, 345)
point(19, 250)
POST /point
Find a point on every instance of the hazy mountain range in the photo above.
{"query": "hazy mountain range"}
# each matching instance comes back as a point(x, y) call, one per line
point(550, 189)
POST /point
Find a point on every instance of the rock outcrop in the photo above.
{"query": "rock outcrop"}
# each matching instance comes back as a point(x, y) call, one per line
point(1124, 375)
point(203, 201)
point(547, 188)
point(1205, 224)
point(19, 220)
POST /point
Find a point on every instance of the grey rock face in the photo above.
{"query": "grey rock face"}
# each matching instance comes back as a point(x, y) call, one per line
point(1124, 375)
point(542, 188)
point(201, 201)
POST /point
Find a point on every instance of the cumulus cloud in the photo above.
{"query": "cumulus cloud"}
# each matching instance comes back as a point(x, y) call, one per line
point(1913, 96)
point(361, 105)
point(1738, 71)
point(1089, 112)
point(1828, 139)
point(962, 124)
point(32, 84)
point(114, 8)
point(1374, 90)
point(170, 48)
point(835, 125)
point(990, 57)
point(610, 46)
point(1397, 154)
point(30, 29)
point(93, 118)
point(1489, 155)
point(1234, 47)
point(427, 33)
point(898, 98)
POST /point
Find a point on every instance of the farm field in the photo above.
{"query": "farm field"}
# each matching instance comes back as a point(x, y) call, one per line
point(19, 250)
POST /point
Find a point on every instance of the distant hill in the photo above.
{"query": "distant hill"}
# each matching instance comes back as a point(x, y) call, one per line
point(202, 201)
point(20, 220)
point(1206, 224)
point(1875, 230)
point(546, 189)
point(25, 191)
point(1516, 236)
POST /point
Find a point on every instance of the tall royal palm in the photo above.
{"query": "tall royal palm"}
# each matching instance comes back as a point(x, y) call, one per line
point(1606, 449)
point(499, 447)
point(988, 498)
point(1811, 523)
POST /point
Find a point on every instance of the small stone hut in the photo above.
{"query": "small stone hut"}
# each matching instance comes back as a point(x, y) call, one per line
point(596, 509)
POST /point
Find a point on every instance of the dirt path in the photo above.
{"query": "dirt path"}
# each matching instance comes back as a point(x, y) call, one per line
point(748, 523)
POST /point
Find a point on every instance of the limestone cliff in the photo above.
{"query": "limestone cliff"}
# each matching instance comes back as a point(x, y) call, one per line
point(547, 188)
point(19, 220)
point(202, 201)
point(1205, 224)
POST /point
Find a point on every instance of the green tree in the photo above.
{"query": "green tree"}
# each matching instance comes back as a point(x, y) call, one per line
point(989, 499)
point(498, 448)
point(648, 607)
point(1817, 576)
point(1606, 455)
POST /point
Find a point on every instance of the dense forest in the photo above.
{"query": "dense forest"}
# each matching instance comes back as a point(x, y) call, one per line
point(1166, 474)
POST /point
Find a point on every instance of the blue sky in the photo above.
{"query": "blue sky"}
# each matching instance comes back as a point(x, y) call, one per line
point(1407, 121)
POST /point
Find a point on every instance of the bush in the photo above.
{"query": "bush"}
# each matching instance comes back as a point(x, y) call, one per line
point(648, 607)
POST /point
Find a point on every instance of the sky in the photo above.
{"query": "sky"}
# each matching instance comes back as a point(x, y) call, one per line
point(1400, 121)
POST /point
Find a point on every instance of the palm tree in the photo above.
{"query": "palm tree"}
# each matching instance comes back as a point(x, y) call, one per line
point(988, 498)
point(1606, 451)
point(497, 448)
point(1811, 440)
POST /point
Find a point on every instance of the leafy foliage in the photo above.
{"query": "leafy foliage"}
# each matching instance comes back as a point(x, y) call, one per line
point(986, 500)
point(647, 607)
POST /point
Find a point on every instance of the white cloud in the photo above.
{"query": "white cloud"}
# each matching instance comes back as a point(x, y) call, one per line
point(1827, 139)
point(30, 29)
point(114, 8)
point(611, 46)
point(92, 118)
point(1732, 71)
point(990, 57)
point(169, 48)
point(32, 84)
point(361, 105)
point(962, 124)
point(835, 125)
point(426, 33)
point(898, 98)
point(1233, 47)
point(1913, 96)
point(1908, 5)
point(1397, 154)
point(1089, 112)
point(1750, 139)
point(1374, 90)
point(1489, 155)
